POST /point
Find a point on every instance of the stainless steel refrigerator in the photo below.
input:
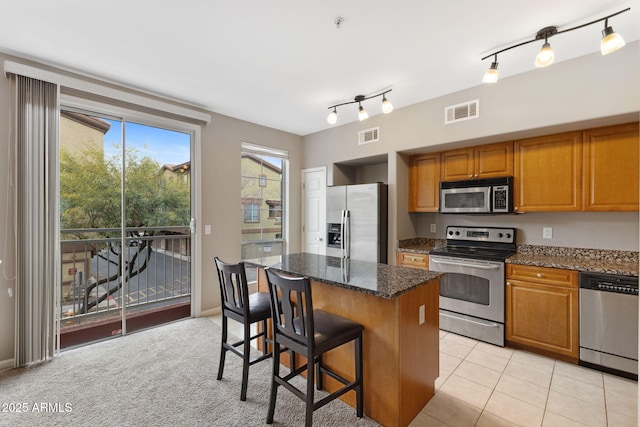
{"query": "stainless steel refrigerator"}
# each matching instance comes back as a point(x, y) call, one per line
point(357, 222)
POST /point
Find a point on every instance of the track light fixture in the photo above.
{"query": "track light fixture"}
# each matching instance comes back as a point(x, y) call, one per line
point(387, 107)
point(611, 41)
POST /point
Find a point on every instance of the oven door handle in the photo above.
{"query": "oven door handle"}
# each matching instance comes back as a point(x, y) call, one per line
point(463, 264)
point(485, 323)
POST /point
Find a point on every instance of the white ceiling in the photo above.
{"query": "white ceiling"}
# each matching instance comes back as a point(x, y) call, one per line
point(281, 63)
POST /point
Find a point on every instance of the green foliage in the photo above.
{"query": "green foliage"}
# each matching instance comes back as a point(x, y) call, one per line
point(90, 189)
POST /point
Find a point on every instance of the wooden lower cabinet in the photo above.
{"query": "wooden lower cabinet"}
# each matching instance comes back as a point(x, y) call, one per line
point(542, 310)
point(410, 259)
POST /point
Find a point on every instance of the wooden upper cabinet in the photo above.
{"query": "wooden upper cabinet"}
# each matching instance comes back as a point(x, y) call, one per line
point(424, 182)
point(548, 173)
point(484, 161)
point(610, 168)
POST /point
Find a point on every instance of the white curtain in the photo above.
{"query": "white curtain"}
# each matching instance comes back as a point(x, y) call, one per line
point(37, 254)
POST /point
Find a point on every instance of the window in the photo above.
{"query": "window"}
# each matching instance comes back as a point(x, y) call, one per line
point(275, 209)
point(263, 200)
point(252, 212)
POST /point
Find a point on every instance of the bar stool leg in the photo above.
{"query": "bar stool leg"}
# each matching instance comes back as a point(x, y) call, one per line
point(274, 386)
point(245, 361)
point(359, 397)
point(223, 348)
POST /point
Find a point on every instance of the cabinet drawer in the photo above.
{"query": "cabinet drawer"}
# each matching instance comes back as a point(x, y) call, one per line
point(408, 259)
point(551, 276)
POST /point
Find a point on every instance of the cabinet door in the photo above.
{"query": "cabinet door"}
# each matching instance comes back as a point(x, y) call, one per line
point(611, 168)
point(548, 173)
point(424, 182)
point(543, 317)
point(494, 160)
point(457, 164)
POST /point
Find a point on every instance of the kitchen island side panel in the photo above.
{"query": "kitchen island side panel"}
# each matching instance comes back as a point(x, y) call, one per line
point(400, 356)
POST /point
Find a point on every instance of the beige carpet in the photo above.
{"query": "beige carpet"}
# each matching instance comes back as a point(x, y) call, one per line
point(158, 377)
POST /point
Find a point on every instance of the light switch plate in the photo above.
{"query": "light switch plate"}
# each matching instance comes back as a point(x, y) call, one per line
point(421, 315)
point(547, 233)
point(433, 228)
point(207, 229)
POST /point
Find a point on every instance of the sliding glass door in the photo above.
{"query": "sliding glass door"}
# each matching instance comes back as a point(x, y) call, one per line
point(125, 212)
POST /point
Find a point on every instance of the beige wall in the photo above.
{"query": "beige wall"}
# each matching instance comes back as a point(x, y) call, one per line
point(589, 91)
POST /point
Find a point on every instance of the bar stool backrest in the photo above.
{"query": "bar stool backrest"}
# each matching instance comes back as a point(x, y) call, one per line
point(292, 311)
point(234, 290)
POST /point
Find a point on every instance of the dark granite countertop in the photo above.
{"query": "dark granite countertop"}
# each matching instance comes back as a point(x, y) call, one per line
point(579, 259)
point(592, 260)
point(420, 245)
point(386, 281)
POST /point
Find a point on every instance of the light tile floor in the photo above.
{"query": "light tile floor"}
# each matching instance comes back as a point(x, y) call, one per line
point(484, 385)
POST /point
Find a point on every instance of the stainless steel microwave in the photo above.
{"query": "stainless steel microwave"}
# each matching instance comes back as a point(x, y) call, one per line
point(477, 196)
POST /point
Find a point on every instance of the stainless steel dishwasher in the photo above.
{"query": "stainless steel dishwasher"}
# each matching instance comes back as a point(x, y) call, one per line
point(609, 323)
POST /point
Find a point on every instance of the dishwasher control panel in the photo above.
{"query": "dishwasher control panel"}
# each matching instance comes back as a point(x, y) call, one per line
point(609, 283)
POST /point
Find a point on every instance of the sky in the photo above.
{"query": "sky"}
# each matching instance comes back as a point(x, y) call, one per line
point(163, 145)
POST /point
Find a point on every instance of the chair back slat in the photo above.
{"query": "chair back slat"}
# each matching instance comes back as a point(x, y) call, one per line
point(292, 307)
point(233, 286)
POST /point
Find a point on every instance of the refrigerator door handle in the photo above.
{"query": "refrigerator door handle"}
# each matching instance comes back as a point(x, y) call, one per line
point(347, 243)
point(342, 236)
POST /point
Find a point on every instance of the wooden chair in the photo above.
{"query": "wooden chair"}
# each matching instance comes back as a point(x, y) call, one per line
point(247, 309)
point(310, 333)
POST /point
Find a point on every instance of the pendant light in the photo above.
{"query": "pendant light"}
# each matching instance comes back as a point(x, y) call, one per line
point(332, 118)
point(611, 41)
point(545, 55)
point(491, 75)
point(387, 106)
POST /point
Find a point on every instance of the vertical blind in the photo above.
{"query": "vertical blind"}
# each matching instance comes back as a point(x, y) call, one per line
point(37, 275)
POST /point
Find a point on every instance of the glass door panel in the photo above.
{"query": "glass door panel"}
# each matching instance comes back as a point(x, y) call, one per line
point(90, 225)
point(158, 216)
point(123, 269)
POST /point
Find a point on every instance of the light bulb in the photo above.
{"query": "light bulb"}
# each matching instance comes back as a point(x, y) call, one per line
point(332, 118)
point(545, 56)
point(362, 114)
point(491, 75)
point(387, 107)
point(611, 41)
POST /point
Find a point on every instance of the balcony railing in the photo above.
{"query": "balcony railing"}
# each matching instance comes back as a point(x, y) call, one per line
point(99, 277)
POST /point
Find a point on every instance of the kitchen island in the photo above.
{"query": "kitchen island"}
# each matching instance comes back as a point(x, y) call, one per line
point(398, 307)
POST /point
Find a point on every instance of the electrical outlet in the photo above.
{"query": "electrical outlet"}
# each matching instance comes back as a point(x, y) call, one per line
point(547, 233)
point(421, 315)
point(10, 292)
point(433, 228)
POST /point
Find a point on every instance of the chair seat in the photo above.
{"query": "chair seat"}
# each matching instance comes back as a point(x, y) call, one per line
point(332, 330)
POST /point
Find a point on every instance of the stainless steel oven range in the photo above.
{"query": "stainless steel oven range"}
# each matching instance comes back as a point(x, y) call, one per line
point(472, 293)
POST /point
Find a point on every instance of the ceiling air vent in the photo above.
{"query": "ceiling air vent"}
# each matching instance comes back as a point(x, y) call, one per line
point(460, 112)
point(369, 135)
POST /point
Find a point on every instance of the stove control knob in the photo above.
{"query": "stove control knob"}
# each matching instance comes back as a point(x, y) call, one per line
point(508, 235)
point(450, 233)
point(457, 233)
point(500, 235)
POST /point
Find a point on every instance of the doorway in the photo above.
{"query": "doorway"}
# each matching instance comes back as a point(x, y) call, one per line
point(314, 185)
point(125, 214)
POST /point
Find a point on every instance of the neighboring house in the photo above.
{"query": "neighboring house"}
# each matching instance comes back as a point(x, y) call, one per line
point(182, 171)
point(261, 199)
point(78, 132)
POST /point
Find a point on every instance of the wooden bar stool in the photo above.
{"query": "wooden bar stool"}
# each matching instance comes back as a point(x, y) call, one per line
point(310, 333)
point(247, 309)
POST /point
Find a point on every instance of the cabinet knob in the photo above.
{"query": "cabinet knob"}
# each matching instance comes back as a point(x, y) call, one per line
point(508, 283)
point(539, 275)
